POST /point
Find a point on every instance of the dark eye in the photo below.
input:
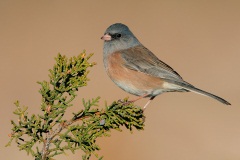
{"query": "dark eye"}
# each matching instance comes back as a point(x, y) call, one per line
point(118, 35)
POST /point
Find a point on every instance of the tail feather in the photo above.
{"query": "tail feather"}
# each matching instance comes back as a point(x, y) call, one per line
point(191, 88)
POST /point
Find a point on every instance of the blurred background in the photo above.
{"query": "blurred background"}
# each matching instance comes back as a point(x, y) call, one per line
point(199, 39)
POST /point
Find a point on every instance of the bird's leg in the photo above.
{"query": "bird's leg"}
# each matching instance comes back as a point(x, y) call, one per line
point(149, 101)
point(143, 96)
point(132, 101)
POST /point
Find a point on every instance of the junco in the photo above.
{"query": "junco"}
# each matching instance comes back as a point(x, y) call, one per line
point(136, 70)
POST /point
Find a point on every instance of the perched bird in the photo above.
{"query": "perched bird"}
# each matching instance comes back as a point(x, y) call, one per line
point(136, 70)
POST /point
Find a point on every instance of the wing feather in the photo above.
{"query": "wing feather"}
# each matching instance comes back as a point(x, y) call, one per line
point(143, 60)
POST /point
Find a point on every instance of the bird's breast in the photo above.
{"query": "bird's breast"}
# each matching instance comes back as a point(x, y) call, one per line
point(131, 81)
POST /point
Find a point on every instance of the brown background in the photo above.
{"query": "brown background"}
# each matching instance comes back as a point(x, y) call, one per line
point(200, 39)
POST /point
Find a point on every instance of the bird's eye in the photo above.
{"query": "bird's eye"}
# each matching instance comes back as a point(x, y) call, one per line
point(118, 35)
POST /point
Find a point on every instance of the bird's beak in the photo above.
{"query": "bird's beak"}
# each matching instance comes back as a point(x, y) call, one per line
point(106, 37)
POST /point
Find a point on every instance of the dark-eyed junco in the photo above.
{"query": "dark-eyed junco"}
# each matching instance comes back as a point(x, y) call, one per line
point(136, 70)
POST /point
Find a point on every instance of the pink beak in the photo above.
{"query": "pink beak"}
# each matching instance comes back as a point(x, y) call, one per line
point(106, 37)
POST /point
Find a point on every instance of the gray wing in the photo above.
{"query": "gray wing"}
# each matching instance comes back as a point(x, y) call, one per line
point(141, 59)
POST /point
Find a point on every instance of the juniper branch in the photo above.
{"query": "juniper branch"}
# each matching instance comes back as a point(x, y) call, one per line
point(52, 132)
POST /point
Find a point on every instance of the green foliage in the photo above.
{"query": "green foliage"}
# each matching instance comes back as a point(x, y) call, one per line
point(50, 134)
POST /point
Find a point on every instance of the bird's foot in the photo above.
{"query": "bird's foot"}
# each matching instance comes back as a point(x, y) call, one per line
point(124, 102)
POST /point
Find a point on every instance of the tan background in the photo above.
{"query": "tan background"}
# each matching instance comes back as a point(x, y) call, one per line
point(200, 39)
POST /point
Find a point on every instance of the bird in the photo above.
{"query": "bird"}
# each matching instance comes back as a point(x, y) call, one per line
point(138, 71)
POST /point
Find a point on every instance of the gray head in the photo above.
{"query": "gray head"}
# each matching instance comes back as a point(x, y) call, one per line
point(118, 37)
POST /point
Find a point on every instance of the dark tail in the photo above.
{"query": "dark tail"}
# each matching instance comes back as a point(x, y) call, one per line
point(191, 88)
